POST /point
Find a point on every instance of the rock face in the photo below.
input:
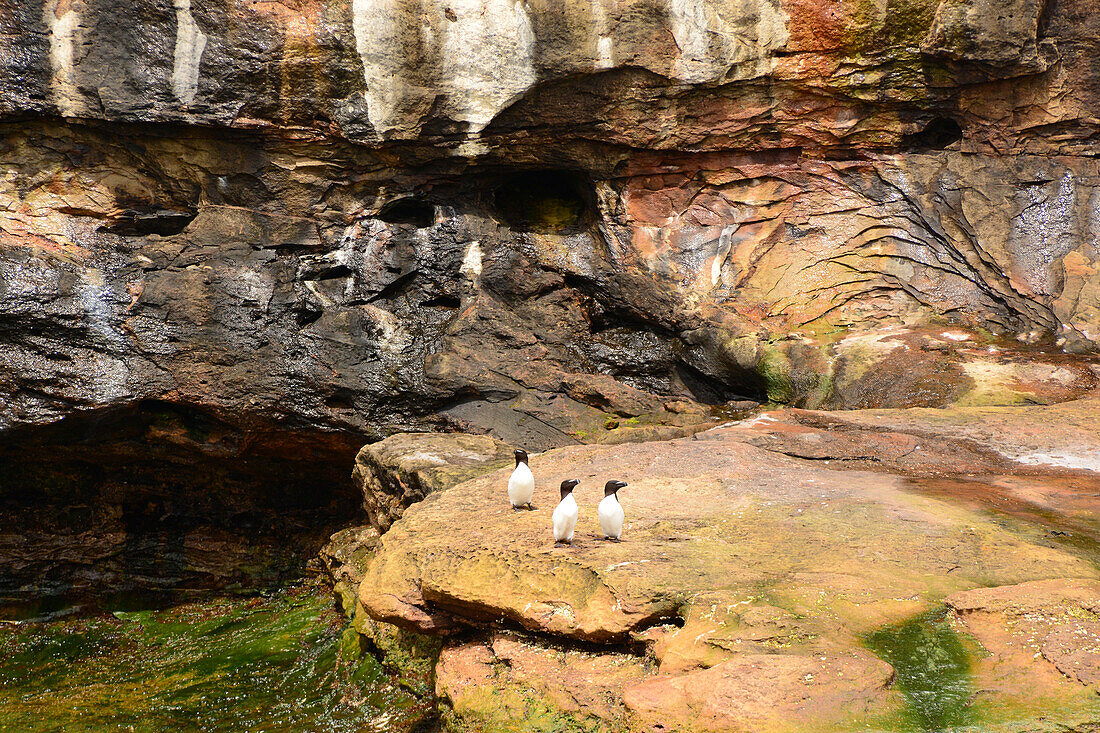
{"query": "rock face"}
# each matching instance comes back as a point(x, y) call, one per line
point(532, 218)
point(768, 576)
point(546, 221)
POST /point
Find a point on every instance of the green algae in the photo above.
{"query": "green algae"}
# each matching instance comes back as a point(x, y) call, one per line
point(276, 663)
point(409, 657)
point(932, 665)
point(515, 709)
point(775, 370)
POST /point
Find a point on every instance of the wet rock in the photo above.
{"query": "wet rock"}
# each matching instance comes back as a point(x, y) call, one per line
point(1056, 438)
point(508, 677)
point(344, 557)
point(1047, 632)
point(412, 659)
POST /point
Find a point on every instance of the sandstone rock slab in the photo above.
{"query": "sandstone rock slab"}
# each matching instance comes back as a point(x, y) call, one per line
point(739, 567)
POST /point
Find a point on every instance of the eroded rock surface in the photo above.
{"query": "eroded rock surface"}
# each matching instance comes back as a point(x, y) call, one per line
point(534, 219)
point(491, 684)
point(757, 560)
point(1054, 621)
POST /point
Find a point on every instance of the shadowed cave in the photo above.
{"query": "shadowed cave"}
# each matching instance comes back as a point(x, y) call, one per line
point(545, 201)
point(146, 503)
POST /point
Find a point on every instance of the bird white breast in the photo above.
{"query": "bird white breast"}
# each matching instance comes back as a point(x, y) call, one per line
point(521, 485)
point(565, 519)
point(611, 516)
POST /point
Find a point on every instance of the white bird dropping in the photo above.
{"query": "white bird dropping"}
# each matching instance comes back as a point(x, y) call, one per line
point(610, 511)
point(521, 484)
point(565, 514)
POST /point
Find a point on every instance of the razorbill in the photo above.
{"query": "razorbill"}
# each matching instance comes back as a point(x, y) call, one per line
point(611, 511)
point(565, 514)
point(521, 484)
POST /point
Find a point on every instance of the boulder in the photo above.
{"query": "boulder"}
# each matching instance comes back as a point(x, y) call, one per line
point(405, 468)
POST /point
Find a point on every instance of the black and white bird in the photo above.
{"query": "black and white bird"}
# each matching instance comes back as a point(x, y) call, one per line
point(521, 484)
point(610, 511)
point(565, 514)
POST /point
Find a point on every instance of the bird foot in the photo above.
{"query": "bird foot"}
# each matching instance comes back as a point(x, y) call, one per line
point(516, 508)
point(531, 507)
point(561, 543)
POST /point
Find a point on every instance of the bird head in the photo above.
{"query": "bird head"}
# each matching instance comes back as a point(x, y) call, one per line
point(567, 487)
point(613, 486)
point(521, 456)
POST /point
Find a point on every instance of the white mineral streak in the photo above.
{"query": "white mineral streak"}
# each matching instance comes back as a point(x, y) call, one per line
point(1087, 459)
point(378, 40)
point(711, 45)
point(190, 43)
point(1044, 232)
point(725, 240)
point(391, 337)
point(471, 264)
point(472, 67)
point(487, 59)
point(64, 23)
point(605, 46)
point(468, 60)
point(108, 375)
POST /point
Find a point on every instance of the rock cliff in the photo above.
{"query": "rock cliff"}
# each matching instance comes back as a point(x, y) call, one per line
point(336, 220)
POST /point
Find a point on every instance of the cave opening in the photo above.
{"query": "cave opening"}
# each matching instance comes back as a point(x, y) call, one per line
point(410, 210)
point(938, 134)
point(545, 201)
point(153, 503)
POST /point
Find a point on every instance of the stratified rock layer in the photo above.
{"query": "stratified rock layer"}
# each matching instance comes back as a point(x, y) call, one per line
point(530, 218)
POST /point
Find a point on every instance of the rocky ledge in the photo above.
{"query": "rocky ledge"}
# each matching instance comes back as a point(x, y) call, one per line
point(800, 570)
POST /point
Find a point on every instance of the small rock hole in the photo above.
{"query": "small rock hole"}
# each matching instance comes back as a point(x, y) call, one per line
point(164, 222)
point(414, 211)
point(553, 202)
point(334, 273)
point(441, 301)
point(937, 134)
point(340, 400)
